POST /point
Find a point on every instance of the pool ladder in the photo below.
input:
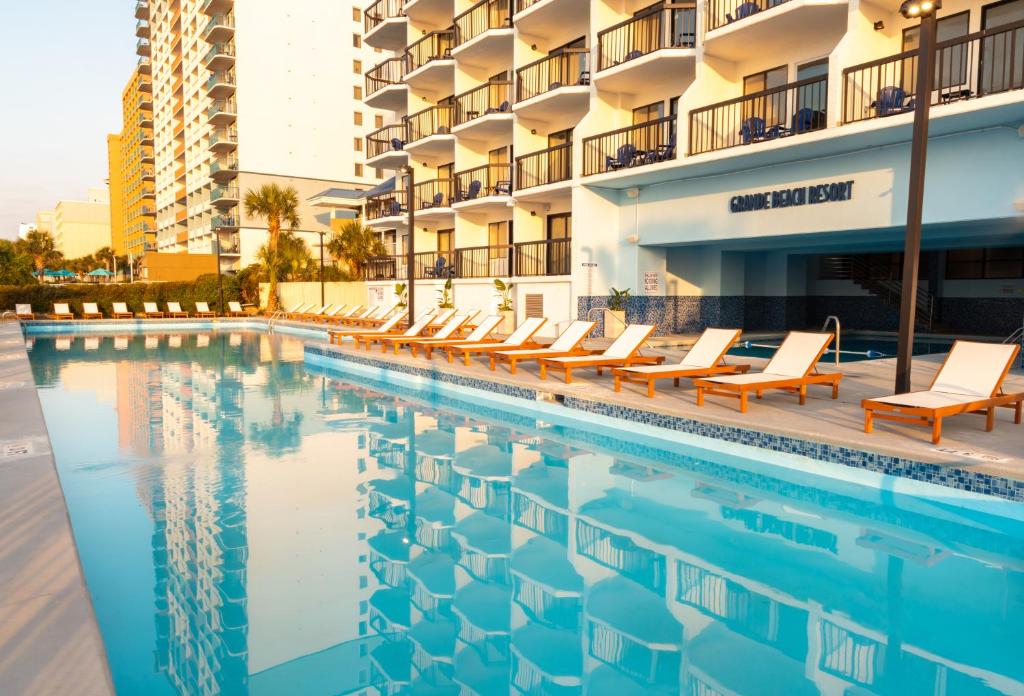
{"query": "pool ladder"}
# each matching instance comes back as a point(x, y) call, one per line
point(1018, 337)
point(9, 315)
point(273, 317)
point(839, 333)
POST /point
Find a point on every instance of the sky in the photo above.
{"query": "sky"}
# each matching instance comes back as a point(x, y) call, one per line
point(63, 65)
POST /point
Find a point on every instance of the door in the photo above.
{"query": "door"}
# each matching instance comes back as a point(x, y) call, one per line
point(1002, 53)
point(559, 236)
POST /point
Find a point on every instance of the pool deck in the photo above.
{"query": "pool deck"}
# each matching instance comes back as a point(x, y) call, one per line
point(49, 640)
point(965, 446)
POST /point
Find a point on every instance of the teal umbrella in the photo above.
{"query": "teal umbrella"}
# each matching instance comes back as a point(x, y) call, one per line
point(100, 273)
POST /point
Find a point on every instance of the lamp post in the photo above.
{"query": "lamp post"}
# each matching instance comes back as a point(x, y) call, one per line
point(925, 9)
point(220, 279)
point(410, 247)
point(321, 266)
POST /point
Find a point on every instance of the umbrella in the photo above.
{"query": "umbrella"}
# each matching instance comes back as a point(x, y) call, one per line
point(100, 273)
point(64, 273)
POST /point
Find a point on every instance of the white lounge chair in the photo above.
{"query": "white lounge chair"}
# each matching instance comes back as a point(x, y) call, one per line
point(418, 327)
point(623, 352)
point(450, 328)
point(567, 344)
point(969, 381)
point(151, 311)
point(522, 337)
point(121, 311)
point(91, 311)
point(481, 334)
point(174, 310)
point(61, 311)
point(706, 358)
point(24, 312)
point(337, 336)
point(235, 309)
point(203, 310)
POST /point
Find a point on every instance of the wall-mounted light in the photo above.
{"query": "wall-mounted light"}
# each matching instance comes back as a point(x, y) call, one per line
point(912, 9)
point(879, 25)
point(533, 131)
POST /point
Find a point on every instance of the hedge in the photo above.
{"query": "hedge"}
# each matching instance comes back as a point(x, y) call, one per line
point(42, 296)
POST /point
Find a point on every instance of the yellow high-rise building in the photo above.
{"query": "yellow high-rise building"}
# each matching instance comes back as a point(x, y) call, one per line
point(132, 178)
point(116, 184)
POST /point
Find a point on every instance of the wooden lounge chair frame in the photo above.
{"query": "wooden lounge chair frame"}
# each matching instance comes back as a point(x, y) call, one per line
point(369, 338)
point(178, 313)
point(62, 316)
point(513, 360)
point(232, 312)
point(335, 337)
point(22, 315)
point(684, 372)
point(121, 315)
point(91, 315)
point(428, 346)
point(147, 314)
point(468, 350)
point(398, 342)
point(204, 313)
point(797, 385)
point(932, 417)
point(601, 361)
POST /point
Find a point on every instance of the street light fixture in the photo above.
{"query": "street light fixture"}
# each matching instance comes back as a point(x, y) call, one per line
point(321, 265)
point(925, 10)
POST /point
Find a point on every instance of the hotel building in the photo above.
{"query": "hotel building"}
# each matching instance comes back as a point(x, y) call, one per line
point(132, 177)
point(732, 162)
point(80, 228)
point(242, 96)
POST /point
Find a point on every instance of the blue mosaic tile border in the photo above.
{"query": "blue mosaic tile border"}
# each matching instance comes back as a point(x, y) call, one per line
point(960, 479)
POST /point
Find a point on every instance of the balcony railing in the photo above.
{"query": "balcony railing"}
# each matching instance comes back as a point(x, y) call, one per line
point(387, 139)
point(228, 136)
point(218, 23)
point(633, 146)
point(548, 257)
point(436, 193)
point(219, 49)
point(793, 109)
point(547, 166)
point(525, 4)
point(220, 78)
point(142, 47)
point(390, 204)
point(385, 267)
point(437, 45)
point(568, 67)
point(481, 17)
point(224, 222)
point(227, 165)
point(722, 12)
point(491, 98)
point(667, 25)
point(484, 262)
point(434, 120)
point(390, 72)
point(221, 106)
point(434, 264)
point(967, 67)
point(488, 180)
point(227, 193)
point(381, 11)
point(230, 244)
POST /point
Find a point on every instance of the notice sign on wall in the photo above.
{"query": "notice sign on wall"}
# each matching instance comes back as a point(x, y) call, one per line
point(652, 283)
point(791, 197)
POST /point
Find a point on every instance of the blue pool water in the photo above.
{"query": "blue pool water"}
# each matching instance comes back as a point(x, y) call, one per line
point(250, 524)
point(851, 350)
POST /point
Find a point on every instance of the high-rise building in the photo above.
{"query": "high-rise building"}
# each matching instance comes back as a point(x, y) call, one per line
point(115, 182)
point(81, 228)
point(248, 94)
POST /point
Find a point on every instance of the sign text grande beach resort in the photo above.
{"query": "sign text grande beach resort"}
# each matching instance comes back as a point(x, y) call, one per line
point(788, 198)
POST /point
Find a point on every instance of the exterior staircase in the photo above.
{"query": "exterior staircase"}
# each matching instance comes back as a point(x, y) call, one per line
point(888, 290)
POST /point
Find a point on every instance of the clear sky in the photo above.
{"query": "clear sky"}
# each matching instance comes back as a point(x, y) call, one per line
point(63, 65)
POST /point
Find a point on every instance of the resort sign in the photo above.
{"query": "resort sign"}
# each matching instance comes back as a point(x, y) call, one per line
point(792, 197)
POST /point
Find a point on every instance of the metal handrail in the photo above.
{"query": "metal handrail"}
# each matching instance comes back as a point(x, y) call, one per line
point(8, 313)
point(839, 333)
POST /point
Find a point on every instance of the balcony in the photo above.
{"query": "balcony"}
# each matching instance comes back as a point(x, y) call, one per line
point(223, 140)
point(483, 34)
point(428, 132)
point(633, 146)
point(388, 208)
point(230, 244)
point(221, 56)
point(144, 102)
point(224, 222)
point(781, 112)
point(736, 27)
point(146, 137)
point(142, 10)
point(523, 260)
point(224, 196)
point(385, 25)
point(148, 174)
point(555, 87)
point(975, 66)
point(222, 112)
point(655, 48)
point(145, 119)
point(221, 85)
point(544, 168)
point(143, 48)
point(216, 7)
point(224, 169)
point(221, 27)
point(385, 147)
point(146, 67)
point(430, 64)
point(535, 16)
point(434, 199)
point(146, 85)
point(147, 156)
point(484, 189)
point(142, 29)
point(385, 85)
point(485, 112)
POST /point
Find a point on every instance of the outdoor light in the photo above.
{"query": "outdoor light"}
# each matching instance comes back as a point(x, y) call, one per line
point(919, 8)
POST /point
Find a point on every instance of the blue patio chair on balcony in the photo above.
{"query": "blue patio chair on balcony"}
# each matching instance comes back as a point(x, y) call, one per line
point(503, 188)
point(434, 202)
point(502, 108)
point(623, 158)
point(438, 270)
point(752, 130)
point(395, 208)
point(745, 10)
point(554, 85)
point(892, 100)
point(473, 191)
point(635, 53)
point(666, 151)
point(397, 144)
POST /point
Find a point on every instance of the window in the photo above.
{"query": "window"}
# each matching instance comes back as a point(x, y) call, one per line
point(378, 173)
point(357, 92)
point(1001, 53)
point(445, 240)
point(561, 137)
point(498, 156)
point(356, 14)
point(357, 144)
point(648, 112)
point(950, 27)
point(560, 226)
point(817, 68)
point(951, 67)
point(445, 171)
point(977, 264)
point(758, 82)
point(358, 169)
point(357, 41)
point(357, 117)
point(378, 121)
point(357, 67)
point(499, 237)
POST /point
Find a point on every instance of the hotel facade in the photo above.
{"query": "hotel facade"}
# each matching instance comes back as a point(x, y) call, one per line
point(132, 177)
point(261, 92)
point(731, 163)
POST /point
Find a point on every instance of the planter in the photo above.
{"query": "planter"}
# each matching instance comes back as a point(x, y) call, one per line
point(614, 323)
point(508, 322)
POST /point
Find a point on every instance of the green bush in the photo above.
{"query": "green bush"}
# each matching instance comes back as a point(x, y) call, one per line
point(42, 297)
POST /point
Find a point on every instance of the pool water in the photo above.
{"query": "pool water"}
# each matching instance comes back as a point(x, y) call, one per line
point(249, 524)
point(851, 350)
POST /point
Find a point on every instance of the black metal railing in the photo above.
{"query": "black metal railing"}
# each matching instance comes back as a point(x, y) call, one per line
point(387, 139)
point(490, 98)
point(381, 11)
point(390, 204)
point(547, 257)
point(485, 261)
point(793, 109)
point(722, 12)
point(547, 166)
point(568, 67)
point(488, 180)
point(967, 67)
point(434, 120)
point(481, 17)
point(435, 193)
point(437, 45)
point(434, 264)
point(524, 5)
point(666, 25)
point(390, 72)
point(632, 146)
point(385, 267)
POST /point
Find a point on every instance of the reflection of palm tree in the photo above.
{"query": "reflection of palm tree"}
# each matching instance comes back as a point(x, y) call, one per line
point(284, 431)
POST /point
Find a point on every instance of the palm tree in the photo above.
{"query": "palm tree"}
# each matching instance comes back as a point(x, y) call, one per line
point(39, 245)
point(292, 261)
point(354, 244)
point(279, 206)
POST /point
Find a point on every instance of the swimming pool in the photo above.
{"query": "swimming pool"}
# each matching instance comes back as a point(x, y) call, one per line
point(853, 349)
point(251, 524)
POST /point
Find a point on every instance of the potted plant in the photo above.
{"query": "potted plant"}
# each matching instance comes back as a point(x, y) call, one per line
point(402, 294)
point(615, 315)
point(508, 315)
point(444, 296)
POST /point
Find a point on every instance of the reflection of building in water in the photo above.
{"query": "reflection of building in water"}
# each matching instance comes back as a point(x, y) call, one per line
point(139, 406)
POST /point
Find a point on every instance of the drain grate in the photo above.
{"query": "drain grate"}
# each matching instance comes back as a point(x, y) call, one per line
point(17, 449)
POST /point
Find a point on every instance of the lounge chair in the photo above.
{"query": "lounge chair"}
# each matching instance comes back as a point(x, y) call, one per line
point(387, 328)
point(969, 381)
point(417, 329)
point(377, 316)
point(520, 338)
point(623, 352)
point(203, 311)
point(91, 311)
point(151, 311)
point(312, 313)
point(299, 310)
point(174, 310)
point(440, 319)
point(61, 311)
point(121, 311)
point(24, 312)
point(567, 344)
point(450, 328)
point(329, 315)
point(790, 369)
point(344, 315)
point(357, 318)
point(235, 309)
point(480, 334)
point(705, 358)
